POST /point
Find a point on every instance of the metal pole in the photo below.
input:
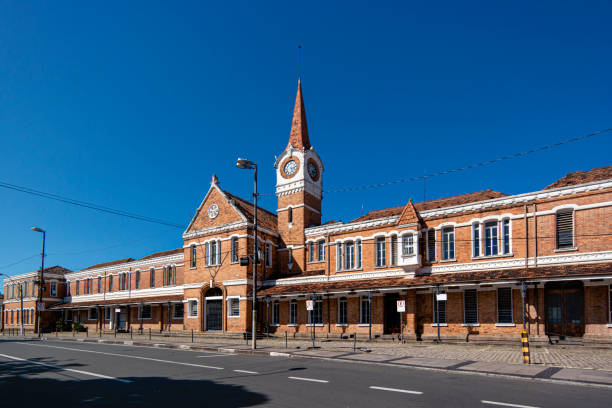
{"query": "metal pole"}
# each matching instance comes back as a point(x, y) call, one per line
point(267, 316)
point(402, 326)
point(523, 290)
point(40, 285)
point(438, 313)
point(370, 319)
point(21, 311)
point(255, 261)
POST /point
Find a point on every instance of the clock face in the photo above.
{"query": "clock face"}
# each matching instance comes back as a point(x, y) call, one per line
point(313, 170)
point(213, 211)
point(290, 167)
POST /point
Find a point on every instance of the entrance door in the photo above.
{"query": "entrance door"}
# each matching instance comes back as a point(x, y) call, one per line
point(214, 314)
point(564, 309)
point(121, 319)
point(392, 316)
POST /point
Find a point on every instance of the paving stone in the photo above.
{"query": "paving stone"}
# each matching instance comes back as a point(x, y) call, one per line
point(502, 368)
point(584, 375)
point(428, 362)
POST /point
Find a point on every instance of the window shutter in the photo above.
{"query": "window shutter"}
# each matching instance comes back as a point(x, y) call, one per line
point(431, 245)
point(565, 229)
point(470, 306)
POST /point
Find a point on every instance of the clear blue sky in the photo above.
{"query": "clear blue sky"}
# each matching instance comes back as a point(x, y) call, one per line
point(135, 105)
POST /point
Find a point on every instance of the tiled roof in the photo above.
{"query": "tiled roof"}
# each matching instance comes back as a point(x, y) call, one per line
point(579, 177)
point(163, 253)
point(58, 270)
point(433, 204)
point(265, 218)
point(131, 301)
point(444, 279)
point(111, 263)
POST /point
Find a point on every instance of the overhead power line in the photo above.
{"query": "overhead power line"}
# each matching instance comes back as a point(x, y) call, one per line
point(471, 166)
point(92, 206)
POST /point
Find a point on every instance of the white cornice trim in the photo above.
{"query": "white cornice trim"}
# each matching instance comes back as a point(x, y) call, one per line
point(31, 275)
point(134, 294)
point(338, 278)
point(214, 230)
point(341, 227)
point(125, 267)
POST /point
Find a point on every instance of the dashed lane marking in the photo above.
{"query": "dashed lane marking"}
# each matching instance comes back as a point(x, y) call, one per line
point(246, 372)
point(66, 369)
point(216, 355)
point(395, 390)
point(506, 404)
point(126, 356)
point(308, 379)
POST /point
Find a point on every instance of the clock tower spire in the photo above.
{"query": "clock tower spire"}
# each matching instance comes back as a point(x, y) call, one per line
point(298, 188)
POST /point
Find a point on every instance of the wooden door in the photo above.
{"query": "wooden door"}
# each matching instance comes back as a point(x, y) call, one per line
point(565, 309)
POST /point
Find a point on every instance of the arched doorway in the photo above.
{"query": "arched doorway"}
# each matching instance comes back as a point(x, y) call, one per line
point(214, 309)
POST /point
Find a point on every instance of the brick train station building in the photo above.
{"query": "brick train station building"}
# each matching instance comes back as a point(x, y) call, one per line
point(547, 252)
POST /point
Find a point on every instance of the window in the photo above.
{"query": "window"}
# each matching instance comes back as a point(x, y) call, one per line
point(475, 240)
point(338, 256)
point(364, 312)
point(610, 304)
point(78, 284)
point(144, 312)
point(504, 305)
point(123, 281)
point(290, 215)
point(311, 252)
point(506, 236)
point(92, 313)
point(137, 278)
point(293, 312)
point(490, 230)
point(393, 250)
point(68, 288)
point(234, 250)
point(179, 310)
point(169, 275)
point(152, 278)
point(213, 253)
point(321, 247)
point(25, 288)
point(349, 255)
point(439, 305)
point(358, 245)
point(290, 257)
point(342, 310)
point(233, 307)
point(194, 256)
point(33, 289)
point(275, 310)
point(470, 306)
point(99, 284)
point(565, 229)
point(448, 243)
point(316, 315)
point(268, 255)
point(107, 313)
point(407, 245)
point(110, 283)
point(431, 245)
point(381, 252)
point(193, 308)
point(53, 288)
point(86, 286)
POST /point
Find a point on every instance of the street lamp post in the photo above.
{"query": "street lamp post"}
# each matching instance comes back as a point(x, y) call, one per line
point(247, 164)
point(41, 280)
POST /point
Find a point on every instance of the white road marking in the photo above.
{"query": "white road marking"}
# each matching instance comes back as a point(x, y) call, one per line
point(66, 369)
point(395, 390)
point(309, 379)
point(246, 372)
point(127, 356)
point(216, 355)
point(505, 404)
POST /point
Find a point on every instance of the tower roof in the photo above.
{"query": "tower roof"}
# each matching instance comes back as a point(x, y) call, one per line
point(298, 138)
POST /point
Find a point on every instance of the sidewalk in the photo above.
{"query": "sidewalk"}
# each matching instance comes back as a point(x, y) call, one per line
point(565, 363)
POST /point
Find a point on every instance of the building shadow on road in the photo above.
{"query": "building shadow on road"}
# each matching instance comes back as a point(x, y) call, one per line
point(24, 383)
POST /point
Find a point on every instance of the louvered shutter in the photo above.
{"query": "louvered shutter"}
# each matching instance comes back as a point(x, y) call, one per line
point(565, 229)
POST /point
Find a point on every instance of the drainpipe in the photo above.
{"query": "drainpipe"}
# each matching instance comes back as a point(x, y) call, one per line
point(535, 234)
point(526, 241)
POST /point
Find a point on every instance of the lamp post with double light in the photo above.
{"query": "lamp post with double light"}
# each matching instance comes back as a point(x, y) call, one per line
point(41, 280)
point(247, 164)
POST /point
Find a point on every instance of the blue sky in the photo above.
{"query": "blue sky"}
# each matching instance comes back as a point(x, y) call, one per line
point(135, 105)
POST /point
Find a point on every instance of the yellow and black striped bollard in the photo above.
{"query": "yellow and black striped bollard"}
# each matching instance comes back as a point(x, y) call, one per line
point(525, 344)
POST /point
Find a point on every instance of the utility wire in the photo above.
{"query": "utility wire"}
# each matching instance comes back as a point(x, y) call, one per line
point(471, 166)
point(92, 206)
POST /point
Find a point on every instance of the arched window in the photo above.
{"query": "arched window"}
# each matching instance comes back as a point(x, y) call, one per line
point(213, 292)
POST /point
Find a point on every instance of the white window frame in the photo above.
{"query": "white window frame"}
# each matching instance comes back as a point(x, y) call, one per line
point(321, 250)
point(407, 245)
point(311, 247)
point(367, 301)
point(53, 288)
point(349, 255)
point(190, 308)
point(490, 225)
point(573, 212)
point(230, 301)
point(380, 252)
point(505, 240)
point(193, 253)
point(275, 321)
point(476, 227)
point(339, 256)
point(448, 243)
point(235, 250)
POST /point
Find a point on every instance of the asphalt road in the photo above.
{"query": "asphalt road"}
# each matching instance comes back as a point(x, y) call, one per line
point(56, 373)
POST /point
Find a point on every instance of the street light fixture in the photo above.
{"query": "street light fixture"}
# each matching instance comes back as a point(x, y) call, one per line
point(41, 280)
point(247, 164)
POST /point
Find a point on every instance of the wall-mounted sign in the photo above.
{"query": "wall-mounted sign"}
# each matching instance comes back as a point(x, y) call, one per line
point(310, 305)
point(440, 297)
point(401, 306)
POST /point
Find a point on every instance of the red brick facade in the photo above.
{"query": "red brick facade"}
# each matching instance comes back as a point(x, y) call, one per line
point(479, 249)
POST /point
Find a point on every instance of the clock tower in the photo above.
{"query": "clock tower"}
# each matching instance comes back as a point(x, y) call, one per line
point(299, 172)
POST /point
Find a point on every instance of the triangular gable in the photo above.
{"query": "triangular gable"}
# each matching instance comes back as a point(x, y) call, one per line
point(223, 202)
point(409, 214)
